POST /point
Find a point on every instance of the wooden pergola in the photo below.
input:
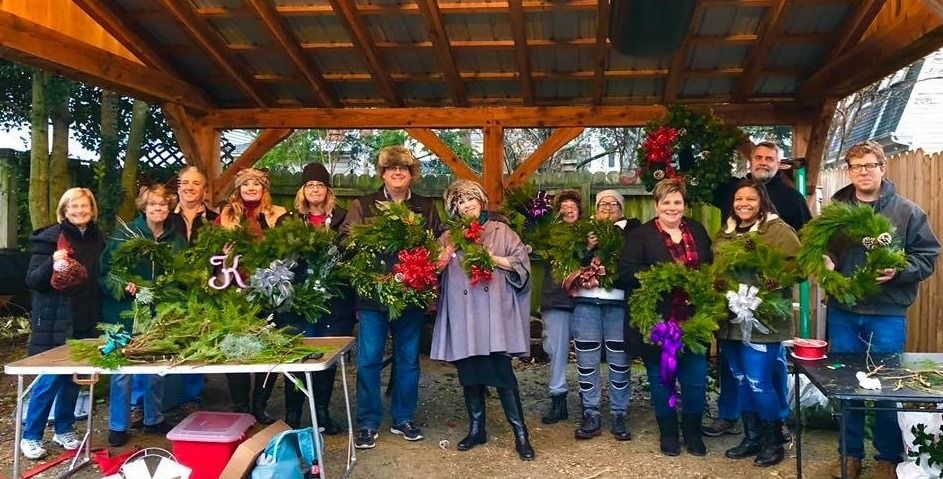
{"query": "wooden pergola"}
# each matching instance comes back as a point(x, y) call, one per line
point(280, 65)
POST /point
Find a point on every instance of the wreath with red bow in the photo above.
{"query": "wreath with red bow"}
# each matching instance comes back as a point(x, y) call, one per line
point(696, 147)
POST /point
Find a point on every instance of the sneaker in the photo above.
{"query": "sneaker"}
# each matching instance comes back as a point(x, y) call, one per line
point(720, 427)
point(408, 430)
point(137, 418)
point(161, 428)
point(32, 449)
point(117, 438)
point(366, 439)
point(68, 440)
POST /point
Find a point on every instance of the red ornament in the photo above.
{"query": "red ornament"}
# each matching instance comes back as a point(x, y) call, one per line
point(416, 269)
point(480, 275)
point(473, 232)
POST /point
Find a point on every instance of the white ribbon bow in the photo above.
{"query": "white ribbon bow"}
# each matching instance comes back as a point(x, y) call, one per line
point(743, 303)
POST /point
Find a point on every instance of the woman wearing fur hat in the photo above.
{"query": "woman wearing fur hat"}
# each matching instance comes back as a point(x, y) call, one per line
point(250, 204)
point(480, 326)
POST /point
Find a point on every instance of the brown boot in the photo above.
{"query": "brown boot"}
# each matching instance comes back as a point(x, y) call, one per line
point(884, 470)
point(853, 468)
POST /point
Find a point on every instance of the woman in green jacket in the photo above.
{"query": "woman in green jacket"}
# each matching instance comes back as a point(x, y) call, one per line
point(758, 362)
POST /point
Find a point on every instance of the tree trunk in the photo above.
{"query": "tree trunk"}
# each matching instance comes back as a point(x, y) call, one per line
point(109, 186)
point(59, 177)
point(129, 174)
point(39, 153)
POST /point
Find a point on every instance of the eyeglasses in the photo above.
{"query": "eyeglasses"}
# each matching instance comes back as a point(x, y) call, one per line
point(400, 168)
point(608, 204)
point(864, 167)
point(315, 186)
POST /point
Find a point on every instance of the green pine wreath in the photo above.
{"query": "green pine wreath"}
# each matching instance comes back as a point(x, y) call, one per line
point(859, 225)
point(658, 283)
point(568, 248)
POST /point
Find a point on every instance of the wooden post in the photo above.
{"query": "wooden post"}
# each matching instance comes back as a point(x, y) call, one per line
point(8, 212)
point(200, 145)
point(493, 174)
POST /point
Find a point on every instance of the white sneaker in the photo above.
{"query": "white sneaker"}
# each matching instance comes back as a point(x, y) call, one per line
point(68, 440)
point(32, 449)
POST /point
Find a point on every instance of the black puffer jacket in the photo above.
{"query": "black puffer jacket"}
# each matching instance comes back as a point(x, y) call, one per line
point(61, 315)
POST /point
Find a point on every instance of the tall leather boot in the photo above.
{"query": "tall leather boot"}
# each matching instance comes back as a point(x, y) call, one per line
point(261, 392)
point(772, 452)
point(558, 411)
point(511, 402)
point(691, 427)
point(323, 384)
point(668, 434)
point(475, 405)
point(239, 386)
point(752, 437)
point(294, 405)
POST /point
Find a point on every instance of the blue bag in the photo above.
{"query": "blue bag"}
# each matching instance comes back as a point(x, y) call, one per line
point(289, 455)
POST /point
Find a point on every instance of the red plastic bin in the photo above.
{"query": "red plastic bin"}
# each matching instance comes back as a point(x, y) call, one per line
point(205, 441)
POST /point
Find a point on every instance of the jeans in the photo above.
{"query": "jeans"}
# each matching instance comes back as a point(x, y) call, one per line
point(47, 389)
point(593, 326)
point(557, 346)
point(371, 343)
point(119, 407)
point(755, 374)
point(850, 332)
point(692, 375)
point(728, 403)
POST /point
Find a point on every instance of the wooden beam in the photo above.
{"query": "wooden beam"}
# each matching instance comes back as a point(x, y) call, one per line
point(409, 8)
point(32, 44)
point(813, 136)
point(199, 143)
point(558, 139)
point(213, 45)
point(519, 32)
point(435, 144)
point(602, 51)
point(349, 16)
point(935, 6)
point(440, 41)
point(493, 174)
point(773, 28)
point(855, 25)
point(912, 36)
point(115, 21)
point(292, 47)
point(262, 144)
point(676, 71)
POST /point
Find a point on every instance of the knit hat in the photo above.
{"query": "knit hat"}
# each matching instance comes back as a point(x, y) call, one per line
point(614, 194)
point(397, 156)
point(315, 172)
point(251, 174)
point(462, 189)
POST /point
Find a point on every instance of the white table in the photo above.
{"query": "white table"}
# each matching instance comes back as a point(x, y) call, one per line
point(57, 361)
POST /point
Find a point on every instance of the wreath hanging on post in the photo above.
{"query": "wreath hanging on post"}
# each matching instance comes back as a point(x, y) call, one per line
point(852, 225)
point(696, 147)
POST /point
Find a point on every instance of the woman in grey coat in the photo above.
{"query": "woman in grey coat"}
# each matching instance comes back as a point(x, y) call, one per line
point(480, 327)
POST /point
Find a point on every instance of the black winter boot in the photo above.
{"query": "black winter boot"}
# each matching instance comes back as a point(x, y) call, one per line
point(558, 411)
point(511, 402)
point(591, 425)
point(752, 437)
point(772, 452)
point(668, 434)
point(691, 426)
point(239, 386)
point(294, 405)
point(323, 384)
point(475, 405)
point(261, 392)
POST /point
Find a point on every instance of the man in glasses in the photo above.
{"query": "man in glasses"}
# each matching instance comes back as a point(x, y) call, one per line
point(879, 322)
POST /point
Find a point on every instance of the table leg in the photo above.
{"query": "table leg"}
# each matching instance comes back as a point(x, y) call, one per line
point(18, 428)
point(351, 450)
point(318, 446)
point(842, 424)
point(87, 439)
point(798, 413)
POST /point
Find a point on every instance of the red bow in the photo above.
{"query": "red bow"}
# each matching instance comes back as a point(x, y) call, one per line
point(479, 275)
point(473, 232)
point(586, 278)
point(415, 269)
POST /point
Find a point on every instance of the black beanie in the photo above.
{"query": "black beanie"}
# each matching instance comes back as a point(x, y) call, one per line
point(315, 172)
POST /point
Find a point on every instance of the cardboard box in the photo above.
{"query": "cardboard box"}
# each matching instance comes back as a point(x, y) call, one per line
point(243, 460)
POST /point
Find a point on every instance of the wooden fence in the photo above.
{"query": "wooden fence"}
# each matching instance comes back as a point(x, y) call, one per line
point(919, 177)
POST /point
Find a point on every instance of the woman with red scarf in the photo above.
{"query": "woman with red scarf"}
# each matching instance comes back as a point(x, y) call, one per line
point(250, 204)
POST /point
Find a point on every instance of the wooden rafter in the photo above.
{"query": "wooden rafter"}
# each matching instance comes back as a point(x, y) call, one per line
point(602, 51)
point(856, 24)
point(815, 143)
point(440, 41)
point(558, 139)
point(935, 6)
point(199, 143)
point(493, 174)
point(519, 32)
point(214, 46)
point(435, 144)
point(774, 24)
point(348, 13)
point(32, 44)
point(676, 72)
point(409, 8)
point(262, 144)
point(292, 47)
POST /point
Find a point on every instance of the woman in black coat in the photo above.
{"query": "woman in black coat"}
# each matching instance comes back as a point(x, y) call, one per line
point(669, 237)
point(71, 311)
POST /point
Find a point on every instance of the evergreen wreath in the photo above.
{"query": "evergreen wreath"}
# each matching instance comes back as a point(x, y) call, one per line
point(852, 225)
point(130, 253)
point(568, 254)
point(750, 260)
point(393, 260)
point(696, 147)
point(477, 262)
point(657, 284)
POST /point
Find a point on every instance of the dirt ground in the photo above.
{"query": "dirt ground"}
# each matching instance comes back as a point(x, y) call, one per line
point(441, 414)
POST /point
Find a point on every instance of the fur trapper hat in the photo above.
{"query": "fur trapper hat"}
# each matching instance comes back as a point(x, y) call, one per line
point(251, 174)
point(397, 156)
point(462, 189)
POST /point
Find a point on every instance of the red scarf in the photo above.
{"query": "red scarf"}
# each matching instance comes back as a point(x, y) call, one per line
point(252, 218)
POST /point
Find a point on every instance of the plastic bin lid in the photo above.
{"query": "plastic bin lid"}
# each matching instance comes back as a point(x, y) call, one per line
point(208, 426)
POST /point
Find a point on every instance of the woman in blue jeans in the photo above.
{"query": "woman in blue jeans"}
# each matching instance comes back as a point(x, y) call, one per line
point(669, 237)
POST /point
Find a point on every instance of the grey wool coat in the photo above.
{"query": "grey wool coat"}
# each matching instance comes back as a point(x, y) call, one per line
point(487, 318)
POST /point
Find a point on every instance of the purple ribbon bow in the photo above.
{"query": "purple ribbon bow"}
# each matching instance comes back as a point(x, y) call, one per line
point(538, 207)
point(668, 335)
